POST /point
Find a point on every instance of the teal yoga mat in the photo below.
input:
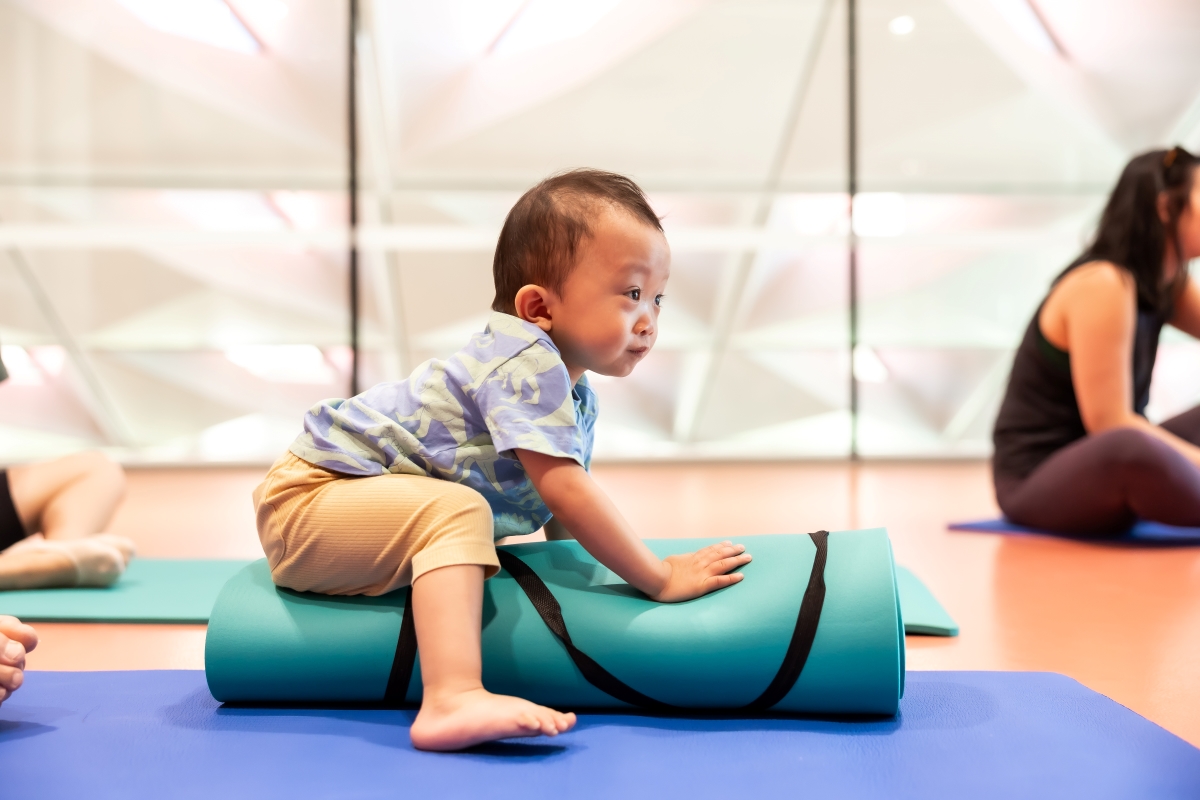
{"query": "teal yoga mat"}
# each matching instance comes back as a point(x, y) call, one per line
point(719, 651)
point(922, 612)
point(151, 590)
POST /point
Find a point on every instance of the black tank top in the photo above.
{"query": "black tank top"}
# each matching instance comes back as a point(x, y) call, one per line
point(1039, 414)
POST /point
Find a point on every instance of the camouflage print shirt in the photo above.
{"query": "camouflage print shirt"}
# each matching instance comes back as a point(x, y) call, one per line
point(460, 420)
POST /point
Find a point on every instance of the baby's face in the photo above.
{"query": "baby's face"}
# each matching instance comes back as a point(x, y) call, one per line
point(606, 319)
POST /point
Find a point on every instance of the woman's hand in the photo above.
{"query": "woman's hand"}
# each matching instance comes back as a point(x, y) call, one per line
point(706, 570)
point(16, 639)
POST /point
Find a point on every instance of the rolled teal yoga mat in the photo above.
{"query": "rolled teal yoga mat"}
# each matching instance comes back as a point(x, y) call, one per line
point(151, 590)
point(721, 651)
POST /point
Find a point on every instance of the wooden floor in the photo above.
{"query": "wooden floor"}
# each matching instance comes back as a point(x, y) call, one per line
point(1125, 622)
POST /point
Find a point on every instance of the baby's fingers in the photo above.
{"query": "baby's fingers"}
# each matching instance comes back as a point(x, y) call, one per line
point(716, 552)
point(729, 564)
point(714, 582)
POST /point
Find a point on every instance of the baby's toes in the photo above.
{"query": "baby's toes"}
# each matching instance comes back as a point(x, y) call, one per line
point(547, 724)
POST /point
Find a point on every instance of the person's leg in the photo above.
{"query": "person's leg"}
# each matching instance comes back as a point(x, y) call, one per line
point(456, 711)
point(1101, 484)
point(374, 535)
point(70, 502)
point(70, 497)
point(1186, 425)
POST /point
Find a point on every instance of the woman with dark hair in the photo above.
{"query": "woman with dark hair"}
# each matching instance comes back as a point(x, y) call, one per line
point(1073, 452)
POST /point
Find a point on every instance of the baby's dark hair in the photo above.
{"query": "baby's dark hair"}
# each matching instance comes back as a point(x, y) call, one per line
point(540, 238)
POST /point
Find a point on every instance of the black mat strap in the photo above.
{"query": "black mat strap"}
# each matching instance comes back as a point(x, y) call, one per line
point(550, 611)
point(805, 632)
point(405, 658)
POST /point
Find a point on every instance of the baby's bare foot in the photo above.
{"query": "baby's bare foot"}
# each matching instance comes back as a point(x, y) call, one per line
point(467, 718)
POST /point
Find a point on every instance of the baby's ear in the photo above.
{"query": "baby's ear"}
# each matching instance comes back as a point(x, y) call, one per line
point(532, 304)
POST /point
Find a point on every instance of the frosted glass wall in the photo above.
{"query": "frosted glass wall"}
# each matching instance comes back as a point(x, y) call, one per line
point(173, 250)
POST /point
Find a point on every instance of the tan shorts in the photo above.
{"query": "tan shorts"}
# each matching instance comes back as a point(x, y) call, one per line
point(333, 534)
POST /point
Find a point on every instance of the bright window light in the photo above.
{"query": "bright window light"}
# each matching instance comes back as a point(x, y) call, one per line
point(810, 214)
point(1026, 23)
point(283, 363)
point(210, 22)
point(224, 209)
point(880, 214)
point(902, 26)
point(867, 366)
point(544, 22)
point(51, 358)
point(303, 210)
point(265, 16)
point(21, 369)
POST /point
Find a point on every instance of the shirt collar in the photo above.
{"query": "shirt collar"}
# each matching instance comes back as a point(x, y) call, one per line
point(508, 325)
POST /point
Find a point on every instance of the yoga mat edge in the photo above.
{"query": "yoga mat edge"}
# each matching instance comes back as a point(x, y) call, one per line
point(161, 591)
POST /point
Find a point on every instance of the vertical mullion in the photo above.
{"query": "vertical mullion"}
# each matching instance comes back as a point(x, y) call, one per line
point(852, 191)
point(352, 186)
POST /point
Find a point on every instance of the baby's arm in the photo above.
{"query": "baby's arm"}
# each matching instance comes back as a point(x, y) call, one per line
point(583, 509)
point(556, 531)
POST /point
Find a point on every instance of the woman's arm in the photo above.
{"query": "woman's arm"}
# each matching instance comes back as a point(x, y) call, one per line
point(1187, 309)
point(1092, 315)
point(583, 509)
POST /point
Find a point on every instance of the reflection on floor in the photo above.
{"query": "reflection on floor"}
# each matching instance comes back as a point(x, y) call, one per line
point(1125, 622)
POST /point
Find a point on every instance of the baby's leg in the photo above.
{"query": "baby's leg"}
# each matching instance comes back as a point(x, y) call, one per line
point(457, 711)
point(335, 535)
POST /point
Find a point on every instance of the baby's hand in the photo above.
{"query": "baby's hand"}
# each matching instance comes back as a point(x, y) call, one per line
point(696, 574)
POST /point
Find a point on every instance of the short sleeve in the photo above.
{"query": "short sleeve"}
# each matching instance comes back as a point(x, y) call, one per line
point(526, 403)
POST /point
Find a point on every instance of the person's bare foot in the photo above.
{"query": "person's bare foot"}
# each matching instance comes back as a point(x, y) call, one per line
point(455, 721)
point(38, 563)
point(122, 545)
point(37, 541)
point(35, 569)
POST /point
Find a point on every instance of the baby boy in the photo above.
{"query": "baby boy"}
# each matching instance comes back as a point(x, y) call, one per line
point(412, 482)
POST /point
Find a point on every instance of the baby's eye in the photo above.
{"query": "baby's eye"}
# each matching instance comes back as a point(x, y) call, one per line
point(634, 294)
point(658, 300)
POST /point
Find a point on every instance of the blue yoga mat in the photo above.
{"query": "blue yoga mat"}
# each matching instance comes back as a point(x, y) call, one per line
point(1143, 532)
point(959, 734)
point(151, 590)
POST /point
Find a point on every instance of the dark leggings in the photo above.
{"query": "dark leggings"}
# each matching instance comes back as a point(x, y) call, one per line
point(1102, 483)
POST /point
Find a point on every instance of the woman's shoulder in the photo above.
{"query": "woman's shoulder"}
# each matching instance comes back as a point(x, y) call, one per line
point(1100, 277)
point(1094, 290)
point(1093, 285)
